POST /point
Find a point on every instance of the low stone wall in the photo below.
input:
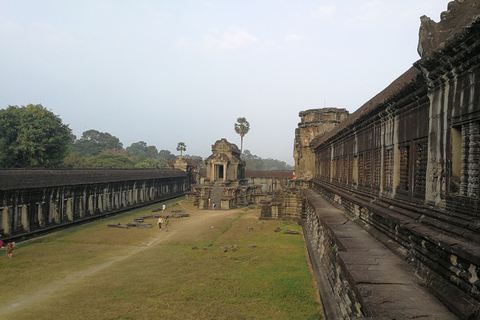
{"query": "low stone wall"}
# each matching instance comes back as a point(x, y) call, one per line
point(286, 203)
point(270, 181)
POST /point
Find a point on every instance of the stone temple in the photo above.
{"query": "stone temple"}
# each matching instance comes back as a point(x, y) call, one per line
point(225, 185)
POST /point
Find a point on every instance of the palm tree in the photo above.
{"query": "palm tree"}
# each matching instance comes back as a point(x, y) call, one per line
point(242, 127)
point(181, 146)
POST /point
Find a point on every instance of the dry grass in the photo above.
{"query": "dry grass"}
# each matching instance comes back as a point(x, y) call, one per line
point(97, 272)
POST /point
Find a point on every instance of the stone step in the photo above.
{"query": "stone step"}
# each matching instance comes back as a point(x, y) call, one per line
point(216, 196)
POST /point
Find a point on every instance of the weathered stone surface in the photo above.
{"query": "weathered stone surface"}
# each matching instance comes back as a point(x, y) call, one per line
point(365, 277)
point(435, 36)
point(314, 123)
point(116, 224)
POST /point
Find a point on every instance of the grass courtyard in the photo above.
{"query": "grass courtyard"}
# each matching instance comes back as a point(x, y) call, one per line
point(98, 272)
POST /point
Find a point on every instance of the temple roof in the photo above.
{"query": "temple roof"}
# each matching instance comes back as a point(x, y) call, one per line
point(37, 178)
point(224, 145)
point(386, 94)
point(434, 36)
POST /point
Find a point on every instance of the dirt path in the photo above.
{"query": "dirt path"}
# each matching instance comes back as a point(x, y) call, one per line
point(198, 221)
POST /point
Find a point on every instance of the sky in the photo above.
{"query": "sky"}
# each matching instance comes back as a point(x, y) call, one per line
point(169, 71)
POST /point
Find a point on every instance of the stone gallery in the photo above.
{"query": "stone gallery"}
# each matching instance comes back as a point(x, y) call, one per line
point(33, 202)
point(404, 168)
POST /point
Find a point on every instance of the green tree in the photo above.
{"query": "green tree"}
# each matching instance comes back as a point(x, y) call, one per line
point(181, 146)
point(32, 136)
point(273, 164)
point(138, 148)
point(73, 160)
point(165, 154)
point(152, 151)
point(252, 162)
point(94, 142)
point(110, 161)
point(151, 164)
point(242, 127)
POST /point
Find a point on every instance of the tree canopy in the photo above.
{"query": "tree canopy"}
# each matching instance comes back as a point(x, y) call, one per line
point(151, 164)
point(181, 147)
point(138, 148)
point(166, 155)
point(94, 142)
point(256, 163)
point(110, 161)
point(242, 127)
point(32, 136)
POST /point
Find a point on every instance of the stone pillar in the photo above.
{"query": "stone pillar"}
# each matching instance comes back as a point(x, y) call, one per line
point(41, 215)
point(464, 160)
point(81, 209)
point(212, 173)
point(100, 203)
point(68, 209)
point(91, 209)
point(473, 159)
point(435, 181)
point(54, 216)
point(5, 221)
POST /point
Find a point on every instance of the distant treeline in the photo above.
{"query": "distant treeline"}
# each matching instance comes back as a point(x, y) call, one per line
point(33, 137)
point(254, 162)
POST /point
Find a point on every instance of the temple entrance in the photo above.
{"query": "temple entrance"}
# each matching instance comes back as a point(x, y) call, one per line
point(219, 171)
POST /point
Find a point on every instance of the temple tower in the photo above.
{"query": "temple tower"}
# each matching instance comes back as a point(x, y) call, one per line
point(224, 166)
point(314, 123)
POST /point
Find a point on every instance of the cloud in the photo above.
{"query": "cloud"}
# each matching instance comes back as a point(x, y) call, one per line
point(375, 10)
point(294, 37)
point(237, 39)
point(182, 43)
point(324, 13)
point(234, 39)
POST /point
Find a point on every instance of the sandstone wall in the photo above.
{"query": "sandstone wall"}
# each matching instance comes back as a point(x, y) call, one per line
point(405, 166)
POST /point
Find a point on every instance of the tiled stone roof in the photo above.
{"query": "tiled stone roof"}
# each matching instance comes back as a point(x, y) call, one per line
point(36, 178)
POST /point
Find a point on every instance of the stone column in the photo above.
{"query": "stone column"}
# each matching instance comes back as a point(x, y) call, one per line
point(91, 209)
point(68, 209)
point(212, 173)
point(5, 220)
point(464, 160)
point(473, 159)
point(41, 215)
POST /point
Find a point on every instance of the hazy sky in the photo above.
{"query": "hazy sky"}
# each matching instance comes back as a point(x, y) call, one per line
point(169, 71)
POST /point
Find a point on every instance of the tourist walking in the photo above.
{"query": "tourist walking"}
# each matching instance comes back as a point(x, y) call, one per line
point(167, 222)
point(159, 222)
point(10, 246)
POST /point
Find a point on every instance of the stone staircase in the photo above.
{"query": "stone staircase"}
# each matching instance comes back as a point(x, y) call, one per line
point(216, 196)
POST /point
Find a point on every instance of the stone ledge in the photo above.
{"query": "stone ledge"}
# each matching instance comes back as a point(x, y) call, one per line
point(384, 284)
